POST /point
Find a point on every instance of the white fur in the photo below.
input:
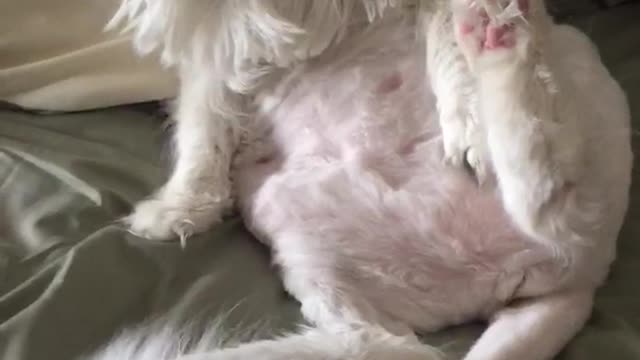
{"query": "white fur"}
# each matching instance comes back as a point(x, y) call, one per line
point(167, 342)
point(462, 135)
point(223, 49)
point(373, 234)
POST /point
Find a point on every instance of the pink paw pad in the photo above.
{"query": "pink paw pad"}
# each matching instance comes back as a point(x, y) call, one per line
point(466, 28)
point(490, 35)
point(499, 37)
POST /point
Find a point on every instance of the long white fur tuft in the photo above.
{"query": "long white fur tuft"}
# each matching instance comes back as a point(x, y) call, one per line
point(231, 46)
point(272, 30)
point(161, 340)
point(168, 342)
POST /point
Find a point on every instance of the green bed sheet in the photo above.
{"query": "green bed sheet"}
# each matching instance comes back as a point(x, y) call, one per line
point(70, 277)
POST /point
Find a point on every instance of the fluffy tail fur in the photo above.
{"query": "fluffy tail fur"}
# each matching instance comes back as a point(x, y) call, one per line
point(168, 343)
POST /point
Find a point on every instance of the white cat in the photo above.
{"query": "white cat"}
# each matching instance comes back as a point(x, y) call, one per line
point(342, 117)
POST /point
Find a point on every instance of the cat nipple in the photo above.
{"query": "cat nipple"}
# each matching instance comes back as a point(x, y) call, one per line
point(389, 84)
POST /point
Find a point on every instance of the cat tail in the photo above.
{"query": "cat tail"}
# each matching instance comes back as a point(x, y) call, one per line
point(361, 343)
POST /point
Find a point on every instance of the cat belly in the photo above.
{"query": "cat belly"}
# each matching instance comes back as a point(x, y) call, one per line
point(352, 193)
point(432, 251)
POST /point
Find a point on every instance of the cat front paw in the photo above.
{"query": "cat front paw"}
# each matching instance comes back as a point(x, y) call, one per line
point(494, 33)
point(464, 146)
point(167, 215)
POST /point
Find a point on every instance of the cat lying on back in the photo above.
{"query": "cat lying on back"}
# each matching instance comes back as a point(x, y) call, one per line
point(333, 120)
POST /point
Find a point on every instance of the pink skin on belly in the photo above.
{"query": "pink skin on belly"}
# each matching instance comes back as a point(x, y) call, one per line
point(389, 84)
point(357, 183)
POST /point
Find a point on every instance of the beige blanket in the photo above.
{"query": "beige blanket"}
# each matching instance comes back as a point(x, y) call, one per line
point(54, 55)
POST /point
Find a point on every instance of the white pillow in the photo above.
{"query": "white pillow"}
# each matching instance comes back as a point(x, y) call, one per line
point(54, 55)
